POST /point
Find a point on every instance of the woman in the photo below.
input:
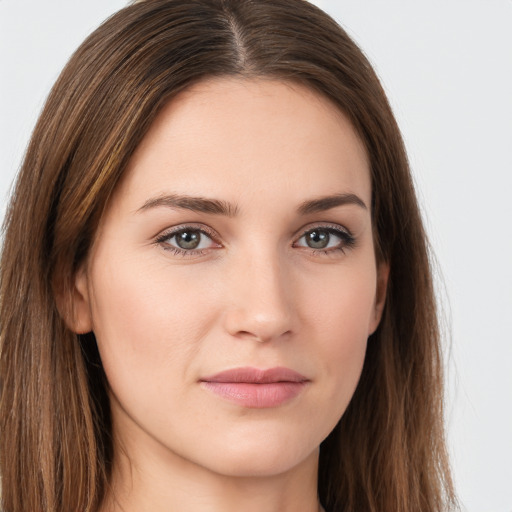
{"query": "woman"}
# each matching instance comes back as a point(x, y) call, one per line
point(215, 285)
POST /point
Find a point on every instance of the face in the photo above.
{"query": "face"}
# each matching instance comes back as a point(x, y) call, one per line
point(232, 284)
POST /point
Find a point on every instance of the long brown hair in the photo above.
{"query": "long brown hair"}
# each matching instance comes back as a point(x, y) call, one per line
point(387, 453)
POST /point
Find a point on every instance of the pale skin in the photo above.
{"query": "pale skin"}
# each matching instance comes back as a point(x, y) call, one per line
point(277, 279)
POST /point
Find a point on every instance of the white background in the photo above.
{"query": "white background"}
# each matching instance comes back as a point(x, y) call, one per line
point(447, 67)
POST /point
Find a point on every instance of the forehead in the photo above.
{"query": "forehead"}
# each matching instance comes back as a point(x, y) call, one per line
point(235, 138)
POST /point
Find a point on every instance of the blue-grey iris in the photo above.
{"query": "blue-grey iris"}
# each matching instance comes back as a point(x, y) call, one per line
point(188, 239)
point(318, 239)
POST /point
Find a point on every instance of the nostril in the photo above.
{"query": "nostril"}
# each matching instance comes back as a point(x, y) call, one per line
point(263, 335)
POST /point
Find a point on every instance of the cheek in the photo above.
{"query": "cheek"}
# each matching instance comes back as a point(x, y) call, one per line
point(341, 317)
point(343, 304)
point(147, 323)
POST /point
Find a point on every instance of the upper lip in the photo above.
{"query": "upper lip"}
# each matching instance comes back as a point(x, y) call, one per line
point(257, 375)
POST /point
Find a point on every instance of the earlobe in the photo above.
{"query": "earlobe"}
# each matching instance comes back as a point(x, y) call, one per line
point(74, 306)
point(380, 295)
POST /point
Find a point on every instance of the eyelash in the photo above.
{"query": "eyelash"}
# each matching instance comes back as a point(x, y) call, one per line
point(164, 238)
point(347, 240)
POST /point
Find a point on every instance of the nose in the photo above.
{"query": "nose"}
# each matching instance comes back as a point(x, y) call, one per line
point(261, 300)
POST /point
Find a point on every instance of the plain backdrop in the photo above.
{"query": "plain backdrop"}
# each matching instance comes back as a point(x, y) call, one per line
point(447, 68)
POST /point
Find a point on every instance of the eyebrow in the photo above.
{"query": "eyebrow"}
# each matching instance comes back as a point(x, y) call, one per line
point(197, 204)
point(322, 204)
point(219, 207)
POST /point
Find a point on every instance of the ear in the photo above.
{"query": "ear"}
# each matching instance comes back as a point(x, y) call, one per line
point(74, 304)
point(380, 295)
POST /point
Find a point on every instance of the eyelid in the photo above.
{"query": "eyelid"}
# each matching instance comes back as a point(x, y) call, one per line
point(166, 233)
point(323, 225)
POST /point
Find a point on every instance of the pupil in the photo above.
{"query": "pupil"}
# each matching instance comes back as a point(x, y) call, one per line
point(188, 239)
point(318, 239)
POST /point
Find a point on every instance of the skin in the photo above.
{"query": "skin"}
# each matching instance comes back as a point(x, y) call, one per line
point(256, 295)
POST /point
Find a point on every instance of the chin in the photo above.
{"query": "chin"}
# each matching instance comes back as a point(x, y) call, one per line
point(262, 463)
point(261, 454)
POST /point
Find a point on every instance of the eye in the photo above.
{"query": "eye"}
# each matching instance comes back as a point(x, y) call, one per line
point(326, 239)
point(187, 240)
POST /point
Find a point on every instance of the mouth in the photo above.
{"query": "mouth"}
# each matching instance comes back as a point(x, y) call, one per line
point(256, 388)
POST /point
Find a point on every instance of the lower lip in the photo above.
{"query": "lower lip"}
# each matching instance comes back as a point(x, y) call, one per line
point(257, 396)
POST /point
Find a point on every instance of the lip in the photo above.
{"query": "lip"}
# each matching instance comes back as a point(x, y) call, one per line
point(256, 388)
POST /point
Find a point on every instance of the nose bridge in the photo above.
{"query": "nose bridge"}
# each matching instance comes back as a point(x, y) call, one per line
point(261, 301)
